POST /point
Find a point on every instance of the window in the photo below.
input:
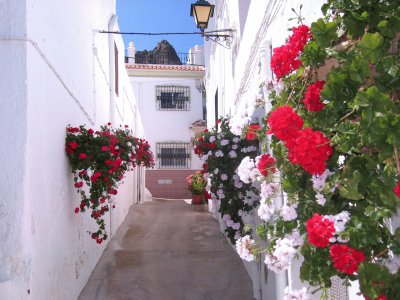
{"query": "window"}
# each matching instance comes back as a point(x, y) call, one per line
point(172, 97)
point(173, 155)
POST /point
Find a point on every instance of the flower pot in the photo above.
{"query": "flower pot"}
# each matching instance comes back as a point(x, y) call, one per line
point(197, 199)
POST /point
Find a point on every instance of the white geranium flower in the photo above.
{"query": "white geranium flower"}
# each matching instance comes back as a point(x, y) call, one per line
point(320, 199)
point(224, 177)
point(212, 139)
point(319, 180)
point(268, 189)
point(247, 170)
point(301, 294)
point(226, 217)
point(232, 154)
point(266, 211)
point(282, 256)
point(288, 213)
point(219, 153)
point(224, 142)
point(236, 226)
point(243, 248)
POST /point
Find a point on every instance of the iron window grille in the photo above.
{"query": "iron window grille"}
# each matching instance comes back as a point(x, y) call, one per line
point(170, 97)
point(173, 155)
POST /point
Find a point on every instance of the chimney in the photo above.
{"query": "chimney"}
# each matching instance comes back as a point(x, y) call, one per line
point(131, 53)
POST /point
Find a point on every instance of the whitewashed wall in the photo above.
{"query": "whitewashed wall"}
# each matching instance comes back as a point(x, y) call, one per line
point(164, 126)
point(55, 72)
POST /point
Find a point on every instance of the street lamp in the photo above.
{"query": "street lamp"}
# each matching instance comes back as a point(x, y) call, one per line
point(202, 10)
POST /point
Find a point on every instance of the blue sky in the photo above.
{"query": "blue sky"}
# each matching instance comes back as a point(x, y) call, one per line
point(157, 16)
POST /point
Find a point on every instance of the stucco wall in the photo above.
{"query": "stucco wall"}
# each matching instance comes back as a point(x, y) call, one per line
point(13, 127)
point(57, 70)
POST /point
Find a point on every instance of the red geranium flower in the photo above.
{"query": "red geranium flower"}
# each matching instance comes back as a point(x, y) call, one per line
point(285, 123)
point(266, 164)
point(72, 145)
point(310, 150)
point(346, 259)
point(396, 189)
point(82, 155)
point(299, 38)
point(252, 132)
point(285, 58)
point(312, 96)
point(320, 230)
point(79, 184)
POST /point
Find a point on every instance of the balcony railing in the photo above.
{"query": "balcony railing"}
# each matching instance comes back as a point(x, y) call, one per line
point(162, 59)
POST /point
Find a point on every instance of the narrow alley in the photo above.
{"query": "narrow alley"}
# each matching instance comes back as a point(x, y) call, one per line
point(169, 250)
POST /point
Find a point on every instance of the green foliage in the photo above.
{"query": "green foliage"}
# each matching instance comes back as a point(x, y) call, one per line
point(361, 117)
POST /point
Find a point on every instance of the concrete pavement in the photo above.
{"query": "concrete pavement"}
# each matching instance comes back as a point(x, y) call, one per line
point(169, 250)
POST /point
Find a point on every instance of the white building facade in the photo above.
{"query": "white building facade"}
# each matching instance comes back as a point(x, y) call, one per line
point(57, 69)
point(170, 101)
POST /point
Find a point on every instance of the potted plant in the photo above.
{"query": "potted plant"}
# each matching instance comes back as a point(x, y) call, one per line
point(196, 185)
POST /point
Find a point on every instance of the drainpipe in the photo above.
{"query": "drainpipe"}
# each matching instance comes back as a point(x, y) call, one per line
point(111, 25)
point(111, 58)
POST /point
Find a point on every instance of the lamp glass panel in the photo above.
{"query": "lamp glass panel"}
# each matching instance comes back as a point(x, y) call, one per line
point(202, 14)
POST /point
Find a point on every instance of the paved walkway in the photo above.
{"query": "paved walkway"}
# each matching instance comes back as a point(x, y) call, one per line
point(169, 250)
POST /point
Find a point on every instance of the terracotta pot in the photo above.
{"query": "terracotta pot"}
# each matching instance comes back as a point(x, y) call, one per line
point(197, 199)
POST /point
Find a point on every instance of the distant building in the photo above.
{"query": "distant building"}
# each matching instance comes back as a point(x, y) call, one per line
point(169, 90)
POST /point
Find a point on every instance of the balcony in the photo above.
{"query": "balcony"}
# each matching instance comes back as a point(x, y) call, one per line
point(177, 58)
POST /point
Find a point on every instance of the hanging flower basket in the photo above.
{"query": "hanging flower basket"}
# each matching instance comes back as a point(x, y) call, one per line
point(99, 161)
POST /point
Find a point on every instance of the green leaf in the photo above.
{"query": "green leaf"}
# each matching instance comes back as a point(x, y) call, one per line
point(373, 279)
point(313, 55)
point(349, 186)
point(355, 25)
point(324, 33)
point(389, 27)
point(371, 46)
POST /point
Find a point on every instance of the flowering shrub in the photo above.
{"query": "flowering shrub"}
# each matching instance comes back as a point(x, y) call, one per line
point(222, 151)
point(99, 160)
point(336, 141)
point(196, 183)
